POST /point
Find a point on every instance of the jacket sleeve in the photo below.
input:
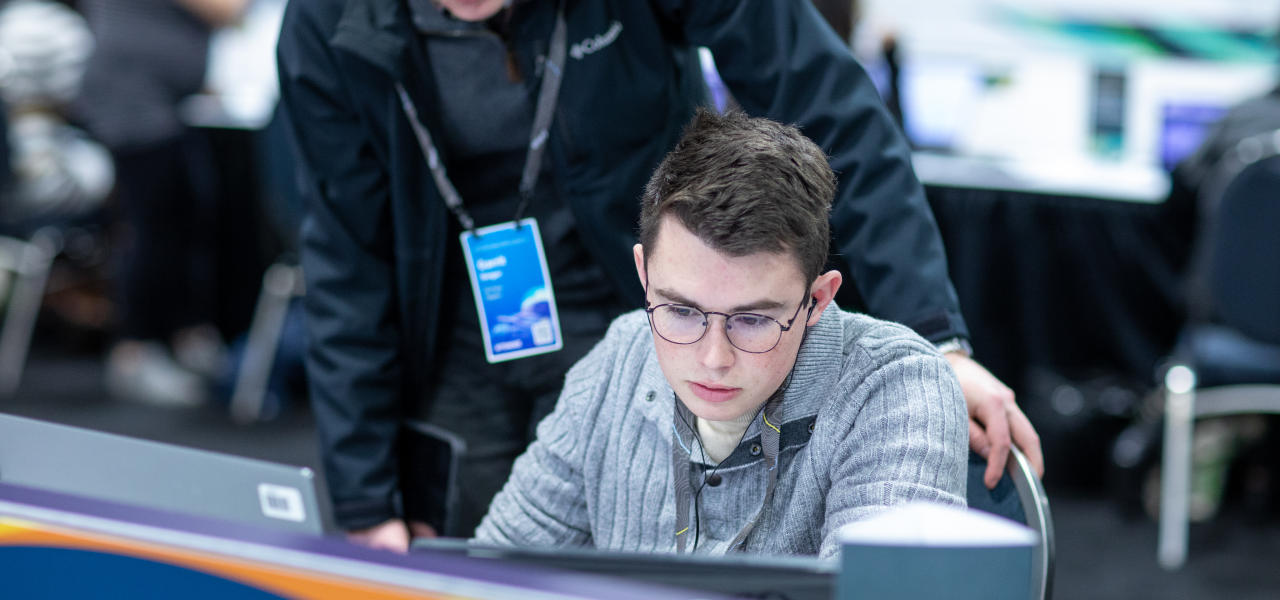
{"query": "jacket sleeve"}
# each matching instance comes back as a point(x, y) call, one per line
point(782, 61)
point(353, 363)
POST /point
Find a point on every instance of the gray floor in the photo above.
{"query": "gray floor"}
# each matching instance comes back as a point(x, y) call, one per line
point(1100, 555)
point(69, 391)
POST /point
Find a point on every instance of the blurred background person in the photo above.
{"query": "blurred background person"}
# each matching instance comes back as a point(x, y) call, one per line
point(150, 55)
point(60, 172)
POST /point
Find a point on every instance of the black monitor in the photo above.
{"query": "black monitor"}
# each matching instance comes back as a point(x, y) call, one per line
point(743, 576)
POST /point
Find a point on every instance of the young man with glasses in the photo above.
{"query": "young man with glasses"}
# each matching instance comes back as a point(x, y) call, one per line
point(741, 410)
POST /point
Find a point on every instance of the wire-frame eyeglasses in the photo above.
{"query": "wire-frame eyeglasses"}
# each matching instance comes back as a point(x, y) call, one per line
point(748, 332)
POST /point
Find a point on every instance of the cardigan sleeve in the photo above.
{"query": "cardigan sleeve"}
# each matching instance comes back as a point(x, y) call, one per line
point(901, 437)
point(544, 502)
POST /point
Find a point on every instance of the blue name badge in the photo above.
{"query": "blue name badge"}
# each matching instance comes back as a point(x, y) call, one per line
point(512, 287)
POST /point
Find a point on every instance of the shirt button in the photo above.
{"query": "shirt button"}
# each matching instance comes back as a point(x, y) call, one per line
point(713, 480)
point(755, 449)
point(649, 397)
point(811, 425)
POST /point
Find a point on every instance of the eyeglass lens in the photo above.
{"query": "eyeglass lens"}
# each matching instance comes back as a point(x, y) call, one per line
point(686, 325)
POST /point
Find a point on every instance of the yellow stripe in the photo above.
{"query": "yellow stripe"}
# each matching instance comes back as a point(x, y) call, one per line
point(766, 422)
point(682, 531)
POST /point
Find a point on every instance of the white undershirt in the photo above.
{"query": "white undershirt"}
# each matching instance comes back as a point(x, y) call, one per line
point(719, 438)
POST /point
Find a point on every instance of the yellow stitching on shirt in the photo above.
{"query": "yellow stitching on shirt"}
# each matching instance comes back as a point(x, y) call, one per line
point(682, 531)
point(766, 422)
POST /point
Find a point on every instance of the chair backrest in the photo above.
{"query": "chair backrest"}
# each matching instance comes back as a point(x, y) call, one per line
point(1019, 497)
point(1245, 265)
point(1035, 504)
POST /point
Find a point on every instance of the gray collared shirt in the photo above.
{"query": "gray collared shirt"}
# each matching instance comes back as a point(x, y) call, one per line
point(873, 418)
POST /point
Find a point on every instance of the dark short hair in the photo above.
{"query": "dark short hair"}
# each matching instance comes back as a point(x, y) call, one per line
point(745, 185)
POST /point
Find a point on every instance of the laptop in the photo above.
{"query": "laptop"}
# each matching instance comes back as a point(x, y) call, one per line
point(104, 466)
point(739, 575)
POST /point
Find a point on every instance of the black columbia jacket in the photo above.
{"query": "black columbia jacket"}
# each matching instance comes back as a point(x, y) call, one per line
point(374, 240)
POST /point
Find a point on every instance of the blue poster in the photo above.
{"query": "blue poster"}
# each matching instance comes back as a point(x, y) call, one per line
point(512, 288)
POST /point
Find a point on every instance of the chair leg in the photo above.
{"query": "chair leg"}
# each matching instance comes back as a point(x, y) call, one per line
point(28, 293)
point(279, 285)
point(1175, 472)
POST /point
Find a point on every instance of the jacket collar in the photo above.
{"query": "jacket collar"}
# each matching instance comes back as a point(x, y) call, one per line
point(429, 18)
point(377, 30)
point(374, 30)
point(813, 380)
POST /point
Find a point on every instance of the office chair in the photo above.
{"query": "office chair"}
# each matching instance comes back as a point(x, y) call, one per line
point(1232, 367)
point(1019, 497)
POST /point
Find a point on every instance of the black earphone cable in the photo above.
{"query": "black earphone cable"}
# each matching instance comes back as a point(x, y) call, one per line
point(702, 449)
point(786, 384)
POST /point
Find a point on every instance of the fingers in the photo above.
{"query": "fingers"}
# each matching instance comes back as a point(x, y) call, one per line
point(995, 422)
point(994, 418)
point(978, 442)
point(997, 455)
point(1024, 435)
point(978, 439)
point(991, 416)
point(422, 530)
point(389, 535)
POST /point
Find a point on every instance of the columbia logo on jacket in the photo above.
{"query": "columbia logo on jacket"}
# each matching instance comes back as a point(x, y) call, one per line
point(594, 44)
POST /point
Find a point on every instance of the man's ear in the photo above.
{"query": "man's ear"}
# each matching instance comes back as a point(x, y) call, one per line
point(823, 291)
point(638, 251)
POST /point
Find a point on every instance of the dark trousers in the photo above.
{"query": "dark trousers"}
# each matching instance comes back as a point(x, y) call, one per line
point(166, 277)
point(496, 408)
point(192, 248)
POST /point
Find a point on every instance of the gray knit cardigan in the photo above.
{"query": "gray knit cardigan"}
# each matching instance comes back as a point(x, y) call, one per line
point(872, 418)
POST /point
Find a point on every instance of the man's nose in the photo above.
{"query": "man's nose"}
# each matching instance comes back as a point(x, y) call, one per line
point(715, 351)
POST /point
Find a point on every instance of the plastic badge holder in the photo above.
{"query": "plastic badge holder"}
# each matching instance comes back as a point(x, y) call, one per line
point(512, 287)
point(932, 552)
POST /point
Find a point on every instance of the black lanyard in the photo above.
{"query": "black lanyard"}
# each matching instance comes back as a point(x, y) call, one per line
point(548, 95)
point(770, 436)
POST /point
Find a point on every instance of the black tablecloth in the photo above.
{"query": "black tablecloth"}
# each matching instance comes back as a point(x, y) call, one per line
point(1063, 283)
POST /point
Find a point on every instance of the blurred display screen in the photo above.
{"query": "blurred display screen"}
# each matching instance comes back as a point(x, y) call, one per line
point(1136, 82)
point(937, 99)
point(1185, 128)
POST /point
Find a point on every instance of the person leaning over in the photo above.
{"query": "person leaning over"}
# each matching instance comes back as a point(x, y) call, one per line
point(415, 120)
point(741, 410)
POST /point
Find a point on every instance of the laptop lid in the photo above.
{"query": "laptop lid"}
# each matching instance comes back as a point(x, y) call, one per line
point(112, 467)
